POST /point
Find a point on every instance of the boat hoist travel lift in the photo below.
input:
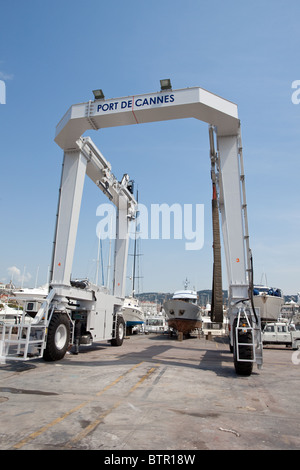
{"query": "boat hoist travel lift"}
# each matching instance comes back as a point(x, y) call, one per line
point(79, 312)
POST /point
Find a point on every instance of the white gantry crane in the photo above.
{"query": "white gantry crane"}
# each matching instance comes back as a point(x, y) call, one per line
point(76, 312)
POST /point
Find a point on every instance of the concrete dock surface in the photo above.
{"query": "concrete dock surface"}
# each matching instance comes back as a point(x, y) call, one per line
point(152, 393)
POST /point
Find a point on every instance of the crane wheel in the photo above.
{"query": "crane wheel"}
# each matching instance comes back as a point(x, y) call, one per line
point(58, 337)
point(120, 332)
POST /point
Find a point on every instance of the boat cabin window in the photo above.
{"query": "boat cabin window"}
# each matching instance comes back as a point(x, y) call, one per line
point(193, 301)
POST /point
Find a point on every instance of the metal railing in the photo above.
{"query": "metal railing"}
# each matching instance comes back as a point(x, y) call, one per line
point(22, 341)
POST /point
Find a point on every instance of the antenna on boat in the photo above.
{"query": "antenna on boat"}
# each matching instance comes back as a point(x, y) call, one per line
point(262, 277)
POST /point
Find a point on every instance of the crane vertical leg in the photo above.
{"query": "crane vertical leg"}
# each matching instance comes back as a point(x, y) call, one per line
point(245, 337)
point(230, 201)
point(72, 182)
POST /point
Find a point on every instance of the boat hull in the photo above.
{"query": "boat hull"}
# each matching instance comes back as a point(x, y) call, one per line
point(182, 316)
point(269, 306)
point(132, 313)
point(131, 319)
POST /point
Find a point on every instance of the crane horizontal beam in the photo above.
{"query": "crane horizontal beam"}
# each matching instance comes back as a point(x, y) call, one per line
point(192, 102)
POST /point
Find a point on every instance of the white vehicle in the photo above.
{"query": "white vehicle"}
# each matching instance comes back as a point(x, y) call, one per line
point(156, 324)
point(281, 334)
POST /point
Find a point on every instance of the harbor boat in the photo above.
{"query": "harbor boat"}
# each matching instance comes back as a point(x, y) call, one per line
point(269, 300)
point(35, 293)
point(10, 314)
point(290, 311)
point(132, 313)
point(182, 311)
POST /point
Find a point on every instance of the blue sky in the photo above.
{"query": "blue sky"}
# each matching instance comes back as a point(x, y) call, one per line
point(54, 53)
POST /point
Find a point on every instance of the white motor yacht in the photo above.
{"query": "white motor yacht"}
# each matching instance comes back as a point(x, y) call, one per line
point(182, 311)
point(132, 313)
point(269, 300)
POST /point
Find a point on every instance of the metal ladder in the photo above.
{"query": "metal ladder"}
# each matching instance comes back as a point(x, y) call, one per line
point(256, 330)
point(244, 206)
point(255, 344)
point(259, 347)
point(114, 326)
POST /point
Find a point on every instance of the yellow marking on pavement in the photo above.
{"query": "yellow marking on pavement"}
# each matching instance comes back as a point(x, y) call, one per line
point(100, 418)
point(73, 410)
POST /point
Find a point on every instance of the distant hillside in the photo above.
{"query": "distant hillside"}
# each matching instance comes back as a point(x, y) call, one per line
point(160, 297)
point(204, 297)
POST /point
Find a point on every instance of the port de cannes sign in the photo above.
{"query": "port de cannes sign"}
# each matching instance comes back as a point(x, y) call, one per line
point(135, 102)
point(161, 106)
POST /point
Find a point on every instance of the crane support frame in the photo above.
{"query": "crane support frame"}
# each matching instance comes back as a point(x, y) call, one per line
point(80, 158)
point(76, 311)
point(87, 159)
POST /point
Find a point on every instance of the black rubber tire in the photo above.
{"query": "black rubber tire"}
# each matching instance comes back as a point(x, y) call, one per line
point(58, 337)
point(120, 332)
point(245, 352)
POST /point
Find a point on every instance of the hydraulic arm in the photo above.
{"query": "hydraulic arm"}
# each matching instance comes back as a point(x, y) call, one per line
point(87, 159)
